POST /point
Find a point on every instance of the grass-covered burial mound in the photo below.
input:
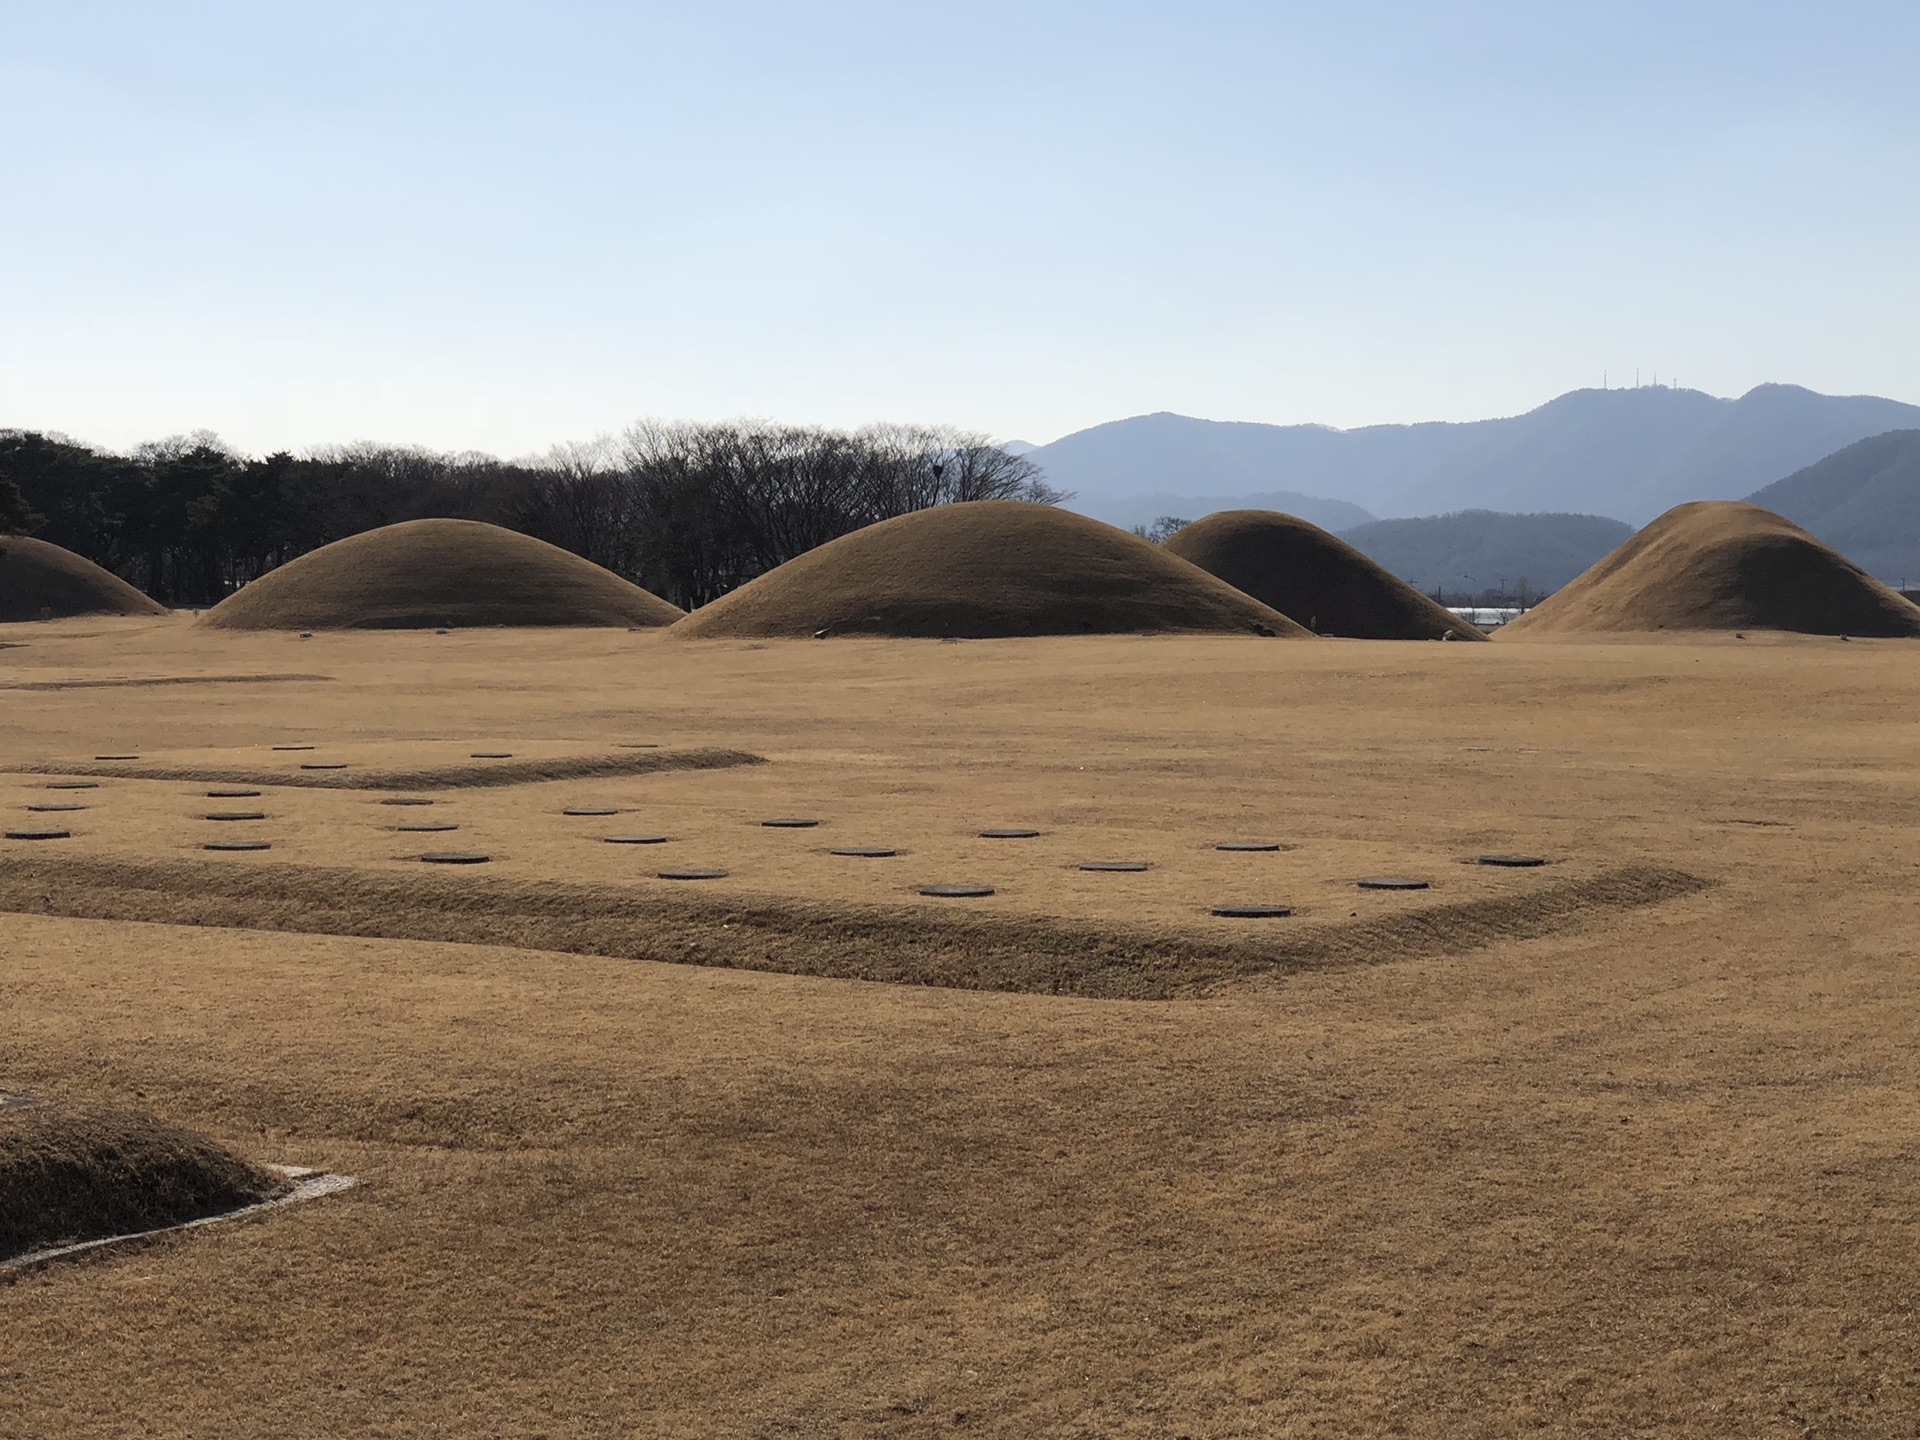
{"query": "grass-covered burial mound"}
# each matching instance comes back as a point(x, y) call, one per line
point(427, 573)
point(39, 581)
point(1722, 565)
point(70, 1173)
point(981, 569)
point(1315, 578)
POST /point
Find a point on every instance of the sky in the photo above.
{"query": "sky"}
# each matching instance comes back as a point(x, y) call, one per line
point(496, 226)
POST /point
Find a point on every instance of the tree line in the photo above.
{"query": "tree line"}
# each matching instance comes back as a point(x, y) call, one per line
point(687, 510)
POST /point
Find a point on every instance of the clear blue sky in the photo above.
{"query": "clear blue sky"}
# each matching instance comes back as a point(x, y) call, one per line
point(498, 225)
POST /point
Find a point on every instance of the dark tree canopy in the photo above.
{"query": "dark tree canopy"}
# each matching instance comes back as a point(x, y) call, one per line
point(688, 511)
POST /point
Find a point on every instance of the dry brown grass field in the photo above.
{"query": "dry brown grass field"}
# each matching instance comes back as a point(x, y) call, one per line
point(1625, 1145)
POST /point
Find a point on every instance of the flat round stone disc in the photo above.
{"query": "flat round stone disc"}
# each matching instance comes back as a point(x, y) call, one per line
point(1390, 882)
point(1119, 867)
point(868, 852)
point(232, 794)
point(1260, 845)
point(237, 845)
point(790, 823)
point(491, 755)
point(959, 892)
point(46, 834)
point(1252, 912)
point(238, 815)
point(323, 764)
point(296, 747)
point(1008, 833)
point(116, 757)
point(73, 785)
point(405, 800)
point(638, 744)
point(635, 839)
point(590, 810)
point(432, 829)
point(1516, 862)
point(455, 857)
point(54, 809)
point(693, 874)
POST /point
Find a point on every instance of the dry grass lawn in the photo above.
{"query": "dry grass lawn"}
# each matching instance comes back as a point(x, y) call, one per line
point(1655, 1173)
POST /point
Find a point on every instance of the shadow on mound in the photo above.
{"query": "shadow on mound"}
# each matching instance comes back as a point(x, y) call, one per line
point(440, 777)
point(427, 573)
point(1313, 577)
point(70, 1173)
point(40, 581)
point(901, 944)
point(1722, 565)
point(983, 569)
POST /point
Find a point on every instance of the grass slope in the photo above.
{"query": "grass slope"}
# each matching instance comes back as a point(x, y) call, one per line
point(1722, 565)
point(1312, 577)
point(426, 573)
point(983, 569)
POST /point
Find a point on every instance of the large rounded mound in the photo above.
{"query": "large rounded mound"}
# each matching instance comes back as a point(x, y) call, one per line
point(982, 569)
point(39, 581)
point(72, 1173)
point(1722, 565)
point(426, 573)
point(1313, 577)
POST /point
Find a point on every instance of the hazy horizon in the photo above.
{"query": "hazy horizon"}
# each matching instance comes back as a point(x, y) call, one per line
point(502, 227)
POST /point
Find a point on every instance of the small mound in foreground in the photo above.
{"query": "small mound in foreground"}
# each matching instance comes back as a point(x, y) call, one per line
point(426, 573)
point(1722, 565)
point(39, 581)
point(984, 569)
point(71, 1173)
point(1315, 578)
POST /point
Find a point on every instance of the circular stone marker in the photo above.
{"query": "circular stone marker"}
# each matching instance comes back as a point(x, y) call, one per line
point(638, 744)
point(232, 794)
point(323, 764)
point(634, 839)
point(42, 834)
point(693, 874)
point(868, 852)
point(491, 755)
point(237, 845)
point(405, 800)
point(238, 815)
point(1252, 912)
point(73, 785)
point(1514, 862)
point(1261, 845)
point(1390, 882)
point(1128, 867)
point(54, 809)
point(455, 857)
point(790, 823)
point(296, 747)
point(429, 829)
point(116, 757)
point(590, 810)
point(957, 892)
point(1008, 833)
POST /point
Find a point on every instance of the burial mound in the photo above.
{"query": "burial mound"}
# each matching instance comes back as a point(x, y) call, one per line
point(423, 574)
point(982, 569)
point(1313, 577)
point(1722, 565)
point(71, 1173)
point(39, 581)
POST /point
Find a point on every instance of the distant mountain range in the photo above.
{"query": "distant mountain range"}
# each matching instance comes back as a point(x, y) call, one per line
point(1145, 509)
point(1864, 501)
point(1627, 454)
point(1486, 553)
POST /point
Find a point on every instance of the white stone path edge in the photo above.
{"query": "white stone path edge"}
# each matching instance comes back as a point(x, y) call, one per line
point(307, 1185)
